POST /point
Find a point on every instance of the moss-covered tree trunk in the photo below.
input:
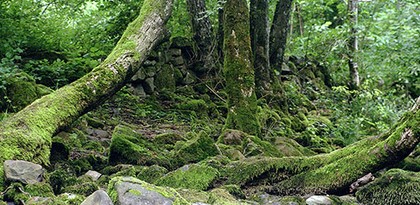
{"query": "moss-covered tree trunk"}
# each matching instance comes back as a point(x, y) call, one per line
point(333, 172)
point(260, 44)
point(278, 32)
point(353, 45)
point(27, 134)
point(203, 36)
point(238, 69)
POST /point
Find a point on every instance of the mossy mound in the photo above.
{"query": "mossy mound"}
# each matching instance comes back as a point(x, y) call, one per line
point(199, 147)
point(21, 91)
point(19, 193)
point(130, 147)
point(397, 187)
point(238, 145)
point(193, 176)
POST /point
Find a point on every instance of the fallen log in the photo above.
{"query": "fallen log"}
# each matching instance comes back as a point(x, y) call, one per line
point(331, 173)
point(27, 134)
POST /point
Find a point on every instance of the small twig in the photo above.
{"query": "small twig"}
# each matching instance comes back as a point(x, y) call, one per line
point(214, 92)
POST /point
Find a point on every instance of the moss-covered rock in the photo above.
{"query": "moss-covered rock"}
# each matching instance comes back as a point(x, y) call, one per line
point(130, 147)
point(396, 187)
point(128, 189)
point(85, 188)
point(193, 176)
point(62, 199)
point(21, 91)
point(20, 193)
point(199, 147)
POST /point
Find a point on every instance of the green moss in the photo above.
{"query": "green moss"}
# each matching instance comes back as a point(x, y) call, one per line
point(18, 193)
point(130, 147)
point(167, 138)
point(196, 149)
point(151, 174)
point(254, 146)
point(289, 147)
point(394, 187)
point(21, 91)
point(164, 191)
point(222, 196)
point(194, 176)
point(83, 189)
point(194, 105)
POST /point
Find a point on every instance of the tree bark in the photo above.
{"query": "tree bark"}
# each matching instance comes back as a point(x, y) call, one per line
point(27, 134)
point(238, 69)
point(203, 36)
point(260, 45)
point(353, 45)
point(331, 173)
point(278, 33)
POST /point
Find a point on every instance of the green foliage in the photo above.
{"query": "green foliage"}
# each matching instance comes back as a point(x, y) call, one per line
point(364, 112)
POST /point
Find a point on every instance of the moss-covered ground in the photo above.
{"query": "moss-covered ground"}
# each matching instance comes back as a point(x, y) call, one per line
point(176, 138)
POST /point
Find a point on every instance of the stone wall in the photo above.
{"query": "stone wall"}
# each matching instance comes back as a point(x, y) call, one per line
point(166, 68)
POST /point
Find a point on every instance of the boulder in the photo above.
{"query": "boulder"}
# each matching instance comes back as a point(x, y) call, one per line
point(132, 191)
point(94, 175)
point(23, 171)
point(319, 200)
point(99, 197)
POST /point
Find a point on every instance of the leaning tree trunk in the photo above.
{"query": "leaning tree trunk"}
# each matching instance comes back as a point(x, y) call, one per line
point(278, 32)
point(238, 69)
point(331, 173)
point(27, 134)
point(353, 45)
point(259, 44)
point(203, 36)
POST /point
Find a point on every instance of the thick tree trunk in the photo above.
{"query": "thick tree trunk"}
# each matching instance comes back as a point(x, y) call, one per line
point(278, 33)
point(27, 134)
point(238, 69)
point(260, 44)
point(353, 45)
point(333, 172)
point(203, 36)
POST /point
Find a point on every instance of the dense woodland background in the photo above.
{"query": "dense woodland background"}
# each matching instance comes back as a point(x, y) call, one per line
point(52, 43)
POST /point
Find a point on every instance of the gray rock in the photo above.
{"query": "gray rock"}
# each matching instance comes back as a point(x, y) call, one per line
point(319, 200)
point(94, 175)
point(149, 85)
point(23, 171)
point(149, 63)
point(177, 61)
point(175, 52)
point(99, 197)
point(131, 192)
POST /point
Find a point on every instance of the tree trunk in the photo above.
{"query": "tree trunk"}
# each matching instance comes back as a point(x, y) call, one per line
point(353, 45)
point(331, 173)
point(260, 44)
point(238, 69)
point(220, 30)
point(27, 134)
point(203, 36)
point(278, 33)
